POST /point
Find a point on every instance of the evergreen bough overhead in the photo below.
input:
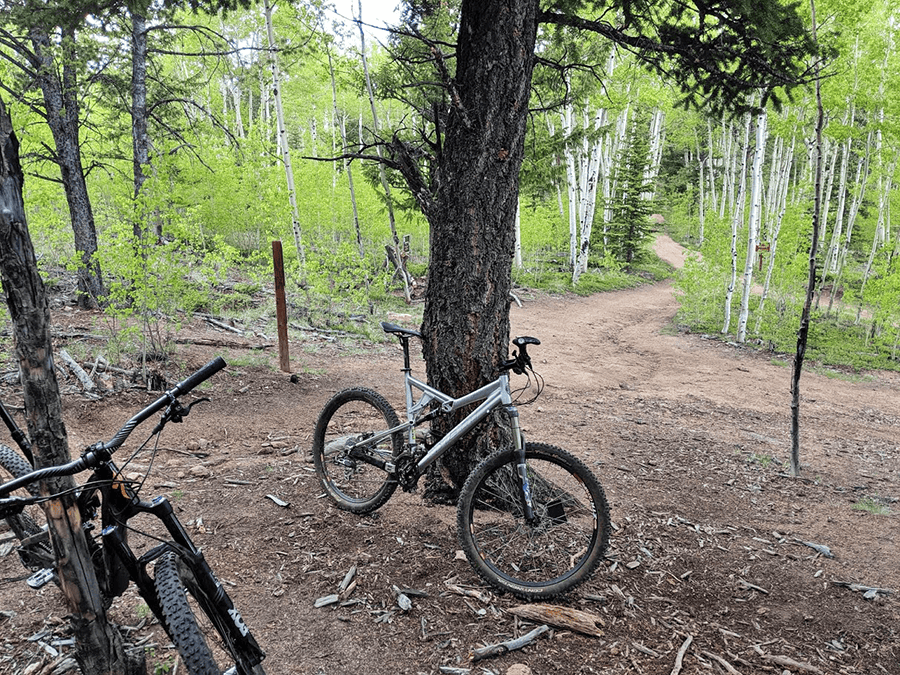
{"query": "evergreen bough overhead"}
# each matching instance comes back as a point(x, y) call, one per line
point(716, 52)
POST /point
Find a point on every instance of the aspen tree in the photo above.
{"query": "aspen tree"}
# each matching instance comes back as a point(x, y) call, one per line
point(754, 219)
point(283, 146)
point(398, 256)
point(737, 217)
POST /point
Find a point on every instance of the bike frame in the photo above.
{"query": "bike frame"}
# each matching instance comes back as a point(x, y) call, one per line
point(493, 394)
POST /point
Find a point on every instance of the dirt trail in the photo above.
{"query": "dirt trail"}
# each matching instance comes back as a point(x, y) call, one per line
point(688, 436)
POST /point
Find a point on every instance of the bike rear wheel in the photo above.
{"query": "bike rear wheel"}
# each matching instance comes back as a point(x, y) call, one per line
point(29, 524)
point(340, 449)
point(564, 544)
point(196, 627)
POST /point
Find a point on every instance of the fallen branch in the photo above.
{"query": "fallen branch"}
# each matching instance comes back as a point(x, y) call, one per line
point(869, 592)
point(731, 670)
point(819, 548)
point(469, 592)
point(753, 587)
point(561, 617)
point(205, 342)
point(508, 646)
point(77, 370)
point(310, 329)
point(679, 658)
point(788, 662)
point(222, 325)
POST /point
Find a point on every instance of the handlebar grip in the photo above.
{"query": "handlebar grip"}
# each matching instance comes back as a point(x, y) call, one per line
point(201, 375)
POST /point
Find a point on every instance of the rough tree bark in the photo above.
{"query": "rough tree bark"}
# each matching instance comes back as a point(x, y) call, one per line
point(472, 216)
point(99, 646)
point(61, 104)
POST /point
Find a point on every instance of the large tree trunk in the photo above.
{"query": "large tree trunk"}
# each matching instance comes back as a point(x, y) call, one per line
point(472, 216)
point(61, 103)
point(99, 646)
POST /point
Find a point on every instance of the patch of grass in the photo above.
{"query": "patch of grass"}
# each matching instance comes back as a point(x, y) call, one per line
point(780, 362)
point(249, 359)
point(841, 375)
point(765, 461)
point(595, 280)
point(872, 505)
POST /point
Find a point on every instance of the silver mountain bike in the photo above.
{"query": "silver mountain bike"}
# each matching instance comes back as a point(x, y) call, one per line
point(532, 518)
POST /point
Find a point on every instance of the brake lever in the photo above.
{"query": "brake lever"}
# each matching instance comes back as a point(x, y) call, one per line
point(176, 412)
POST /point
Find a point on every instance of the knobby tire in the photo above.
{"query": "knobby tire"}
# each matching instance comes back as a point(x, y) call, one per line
point(555, 553)
point(207, 651)
point(30, 522)
point(349, 418)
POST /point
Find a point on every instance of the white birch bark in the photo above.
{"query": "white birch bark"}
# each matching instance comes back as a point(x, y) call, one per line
point(737, 216)
point(886, 182)
point(588, 200)
point(657, 139)
point(829, 264)
point(701, 208)
point(339, 119)
point(571, 184)
point(282, 138)
point(753, 222)
point(781, 198)
point(713, 201)
point(862, 176)
point(238, 118)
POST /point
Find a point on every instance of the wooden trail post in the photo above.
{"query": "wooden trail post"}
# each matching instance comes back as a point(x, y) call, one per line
point(280, 307)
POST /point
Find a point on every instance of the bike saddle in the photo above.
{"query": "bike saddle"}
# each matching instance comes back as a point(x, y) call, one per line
point(399, 330)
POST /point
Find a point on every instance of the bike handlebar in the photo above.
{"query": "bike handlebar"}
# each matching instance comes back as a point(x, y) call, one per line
point(96, 453)
point(520, 359)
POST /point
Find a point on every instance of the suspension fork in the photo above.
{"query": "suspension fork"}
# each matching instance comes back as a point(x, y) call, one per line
point(521, 467)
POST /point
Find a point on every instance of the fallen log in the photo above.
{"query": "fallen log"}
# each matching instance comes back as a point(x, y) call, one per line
point(77, 371)
point(561, 617)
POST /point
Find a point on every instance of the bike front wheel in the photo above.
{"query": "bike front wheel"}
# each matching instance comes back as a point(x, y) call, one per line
point(564, 542)
point(199, 630)
point(29, 526)
point(348, 457)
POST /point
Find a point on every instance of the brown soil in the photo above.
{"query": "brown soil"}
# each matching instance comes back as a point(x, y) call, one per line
point(688, 434)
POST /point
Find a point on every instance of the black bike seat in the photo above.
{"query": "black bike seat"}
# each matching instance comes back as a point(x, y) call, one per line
point(399, 330)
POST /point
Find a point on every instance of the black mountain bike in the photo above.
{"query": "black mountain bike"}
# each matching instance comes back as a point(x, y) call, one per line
point(182, 592)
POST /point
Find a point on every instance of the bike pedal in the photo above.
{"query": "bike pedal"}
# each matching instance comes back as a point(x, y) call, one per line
point(41, 578)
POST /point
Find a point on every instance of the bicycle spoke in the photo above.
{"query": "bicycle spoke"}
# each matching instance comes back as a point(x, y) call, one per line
point(554, 551)
point(347, 460)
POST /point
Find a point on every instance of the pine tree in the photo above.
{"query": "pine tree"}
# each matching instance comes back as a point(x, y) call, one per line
point(629, 230)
